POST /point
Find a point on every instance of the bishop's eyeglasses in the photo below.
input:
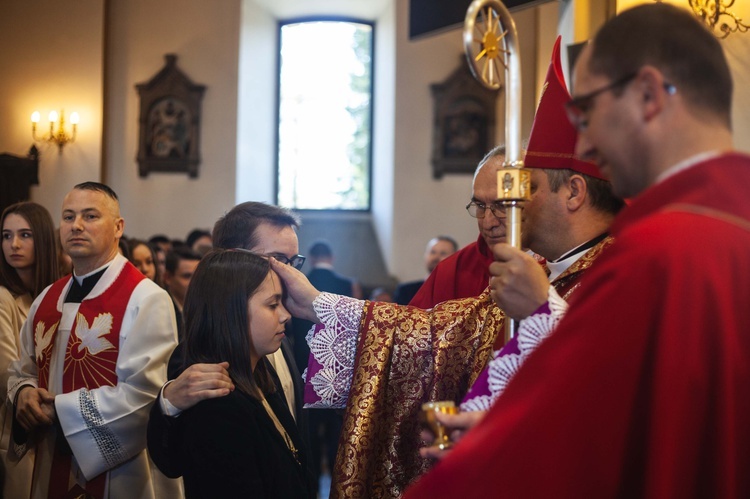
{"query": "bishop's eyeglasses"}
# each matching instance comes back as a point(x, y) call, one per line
point(479, 210)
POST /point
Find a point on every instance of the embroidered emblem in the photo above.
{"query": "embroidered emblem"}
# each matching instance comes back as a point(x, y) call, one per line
point(92, 338)
point(42, 338)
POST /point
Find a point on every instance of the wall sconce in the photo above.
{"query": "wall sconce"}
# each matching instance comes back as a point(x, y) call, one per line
point(716, 15)
point(60, 137)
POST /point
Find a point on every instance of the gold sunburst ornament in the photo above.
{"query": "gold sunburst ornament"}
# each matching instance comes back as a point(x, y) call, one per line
point(484, 43)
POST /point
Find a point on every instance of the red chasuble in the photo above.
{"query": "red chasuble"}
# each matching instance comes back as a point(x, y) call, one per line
point(90, 355)
point(643, 391)
point(464, 274)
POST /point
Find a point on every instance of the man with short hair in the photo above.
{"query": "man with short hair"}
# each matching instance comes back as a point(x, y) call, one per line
point(438, 249)
point(266, 230)
point(642, 389)
point(465, 273)
point(93, 355)
point(179, 267)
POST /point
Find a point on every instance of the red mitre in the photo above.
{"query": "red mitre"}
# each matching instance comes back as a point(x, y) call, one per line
point(553, 139)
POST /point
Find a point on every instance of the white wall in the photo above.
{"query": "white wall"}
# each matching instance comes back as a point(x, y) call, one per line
point(46, 65)
point(384, 132)
point(256, 149)
point(205, 38)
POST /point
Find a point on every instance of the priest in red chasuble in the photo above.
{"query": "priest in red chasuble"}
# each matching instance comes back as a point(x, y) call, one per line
point(642, 390)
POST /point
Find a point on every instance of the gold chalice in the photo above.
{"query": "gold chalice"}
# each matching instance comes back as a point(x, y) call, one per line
point(442, 434)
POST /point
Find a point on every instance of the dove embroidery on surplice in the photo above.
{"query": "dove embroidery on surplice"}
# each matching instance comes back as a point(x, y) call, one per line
point(43, 338)
point(92, 338)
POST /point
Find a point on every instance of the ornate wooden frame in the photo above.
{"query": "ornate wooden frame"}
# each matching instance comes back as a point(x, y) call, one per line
point(169, 123)
point(464, 122)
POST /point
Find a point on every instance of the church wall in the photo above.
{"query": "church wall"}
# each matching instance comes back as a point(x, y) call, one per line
point(52, 59)
point(206, 42)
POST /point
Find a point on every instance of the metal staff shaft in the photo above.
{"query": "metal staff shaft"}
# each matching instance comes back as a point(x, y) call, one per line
point(489, 25)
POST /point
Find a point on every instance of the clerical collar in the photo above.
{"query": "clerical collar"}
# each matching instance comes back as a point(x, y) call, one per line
point(557, 267)
point(80, 278)
point(82, 285)
point(687, 163)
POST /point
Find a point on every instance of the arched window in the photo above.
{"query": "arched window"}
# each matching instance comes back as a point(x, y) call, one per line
point(324, 114)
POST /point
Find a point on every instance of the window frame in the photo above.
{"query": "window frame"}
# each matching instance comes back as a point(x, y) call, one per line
point(327, 18)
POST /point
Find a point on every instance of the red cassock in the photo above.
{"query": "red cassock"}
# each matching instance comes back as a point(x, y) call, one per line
point(644, 389)
point(464, 274)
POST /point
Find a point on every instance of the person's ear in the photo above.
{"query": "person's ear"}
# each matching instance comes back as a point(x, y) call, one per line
point(651, 84)
point(577, 191)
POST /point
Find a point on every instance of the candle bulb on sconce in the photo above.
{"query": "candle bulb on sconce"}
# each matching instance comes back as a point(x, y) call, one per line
point(61, 137)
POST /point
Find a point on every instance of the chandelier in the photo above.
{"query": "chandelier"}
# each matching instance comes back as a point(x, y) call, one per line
point(716, 15)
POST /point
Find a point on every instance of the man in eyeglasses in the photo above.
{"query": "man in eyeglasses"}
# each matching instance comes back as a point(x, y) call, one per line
point(266, 230)
point(466, 272)
point(642, 390)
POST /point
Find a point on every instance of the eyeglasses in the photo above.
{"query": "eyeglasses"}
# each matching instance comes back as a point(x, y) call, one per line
point(297, 261)
point(479, 210)
point(579, 107)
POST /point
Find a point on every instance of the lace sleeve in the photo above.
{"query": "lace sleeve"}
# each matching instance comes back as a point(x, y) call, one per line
point(333, 348)
point(532, 331)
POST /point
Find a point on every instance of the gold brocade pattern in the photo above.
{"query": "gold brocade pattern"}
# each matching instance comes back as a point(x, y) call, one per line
point(407, 356)
point(567, 282)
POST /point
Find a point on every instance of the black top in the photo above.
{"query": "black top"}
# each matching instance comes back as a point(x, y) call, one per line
point(231, 448)
point(164, 434)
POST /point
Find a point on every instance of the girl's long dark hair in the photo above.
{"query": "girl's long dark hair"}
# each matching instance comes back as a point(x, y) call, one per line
point(216, 316)
point(133, 244)
point(46, 267)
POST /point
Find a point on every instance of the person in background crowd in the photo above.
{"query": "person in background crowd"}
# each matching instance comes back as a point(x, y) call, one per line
point(144, 258)
point(161, 241)
point(438, 249)
point(199, 240)
point(180, 266)
point(161, 263)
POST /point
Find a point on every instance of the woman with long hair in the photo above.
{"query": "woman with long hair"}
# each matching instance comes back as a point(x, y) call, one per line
point(245, 444)
point(143, 256)
point(29, 264)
